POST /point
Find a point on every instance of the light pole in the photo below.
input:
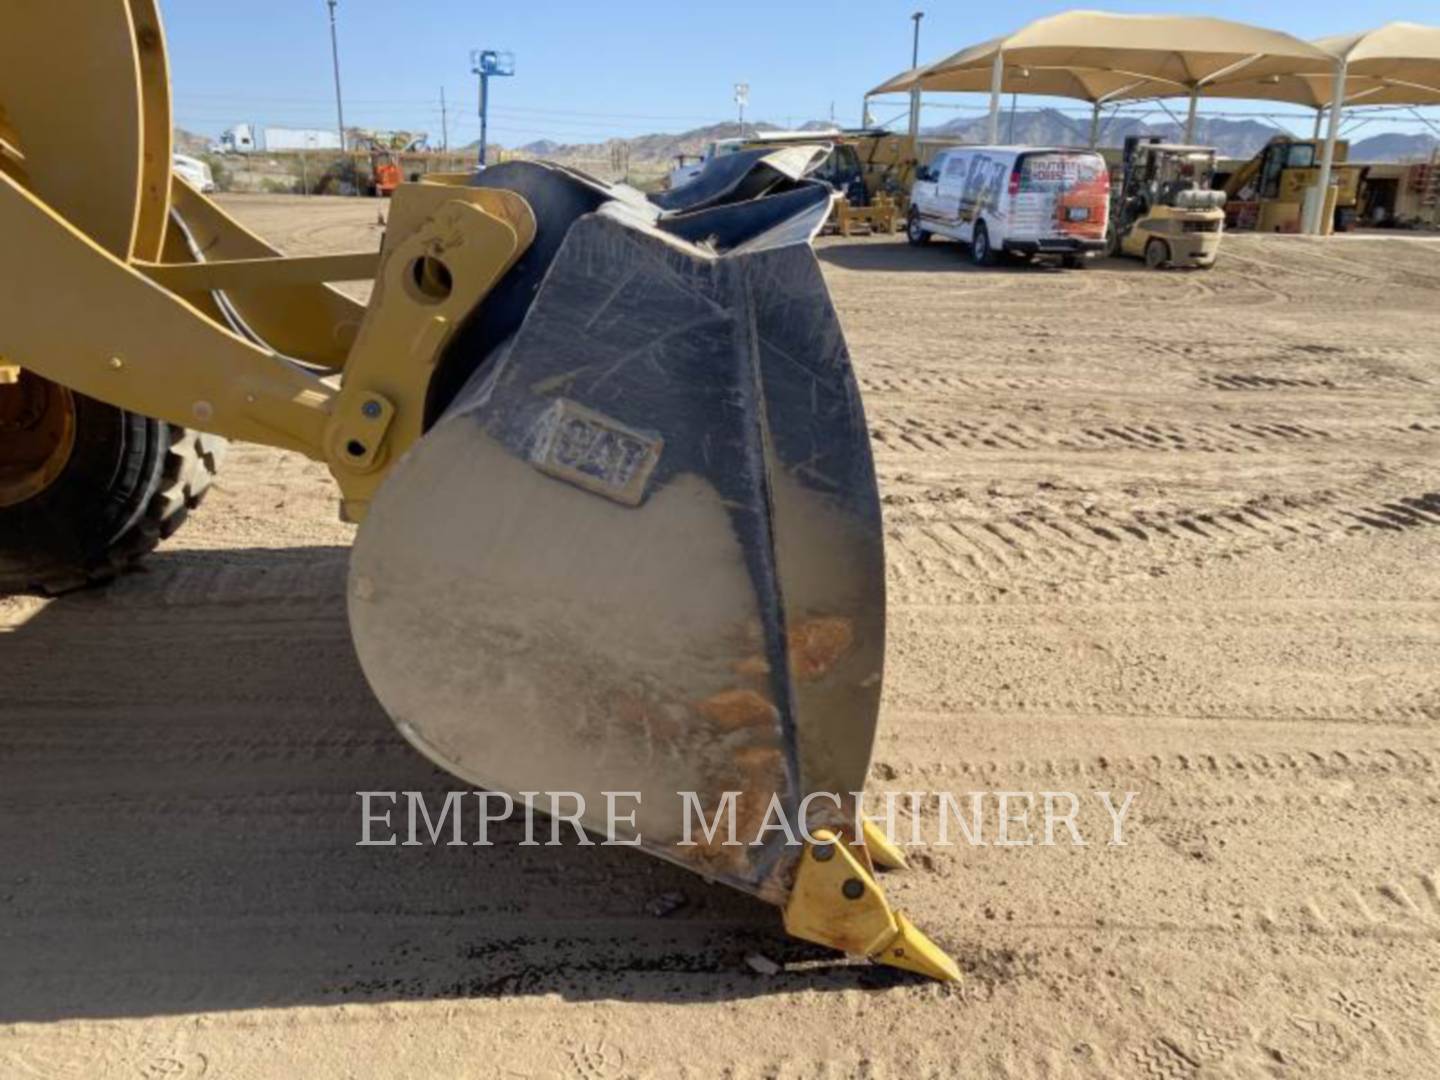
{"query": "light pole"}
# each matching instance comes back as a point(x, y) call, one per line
point(335, 56)
point(488, 63)
point(915, 90)
point(742, 98)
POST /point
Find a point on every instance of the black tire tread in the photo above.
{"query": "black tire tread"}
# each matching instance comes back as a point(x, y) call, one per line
point(184, 477)
point(191, 462)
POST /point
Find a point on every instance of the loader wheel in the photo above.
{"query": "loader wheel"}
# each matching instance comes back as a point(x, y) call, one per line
point(37, 436)
point(112, 486)
point(913, 230)
point(1157, 254)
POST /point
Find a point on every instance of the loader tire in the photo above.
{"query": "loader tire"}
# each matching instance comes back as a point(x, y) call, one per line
point(129, 482)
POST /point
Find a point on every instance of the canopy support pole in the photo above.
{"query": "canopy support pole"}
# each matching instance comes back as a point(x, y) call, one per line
point(1190, 116)
point(1095, 125)
point(1315, 226)
point(997, 79)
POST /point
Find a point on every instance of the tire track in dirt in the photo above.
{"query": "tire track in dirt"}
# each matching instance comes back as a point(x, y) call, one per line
point(897, 439)
point(1031, 549)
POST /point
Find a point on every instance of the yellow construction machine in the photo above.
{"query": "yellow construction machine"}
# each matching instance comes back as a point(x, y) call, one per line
point(1268, 192)
point(619, 528)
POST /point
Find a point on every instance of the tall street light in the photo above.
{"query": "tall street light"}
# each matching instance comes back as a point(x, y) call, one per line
point(335, 56)
point(915, 90)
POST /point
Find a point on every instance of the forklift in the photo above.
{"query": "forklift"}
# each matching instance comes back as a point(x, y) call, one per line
point(1163, 210)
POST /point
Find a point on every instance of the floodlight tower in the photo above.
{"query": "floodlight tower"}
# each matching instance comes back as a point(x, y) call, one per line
point(335, 56)
point(488, 64)
point(742, 98)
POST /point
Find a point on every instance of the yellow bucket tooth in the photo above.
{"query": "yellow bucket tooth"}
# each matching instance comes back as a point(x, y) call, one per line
point(912, 950)
point(836, 902)
point(883, 853)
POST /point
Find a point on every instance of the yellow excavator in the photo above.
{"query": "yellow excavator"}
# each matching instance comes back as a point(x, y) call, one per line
point(1268, 192)
point(619, 528)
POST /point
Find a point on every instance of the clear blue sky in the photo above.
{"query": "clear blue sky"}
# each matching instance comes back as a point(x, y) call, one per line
point(591, 70)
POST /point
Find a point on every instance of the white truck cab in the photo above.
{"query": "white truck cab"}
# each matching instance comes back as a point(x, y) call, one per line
point(1023, 201)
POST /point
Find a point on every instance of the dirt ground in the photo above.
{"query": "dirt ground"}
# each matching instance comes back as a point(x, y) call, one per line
point(1175, 534)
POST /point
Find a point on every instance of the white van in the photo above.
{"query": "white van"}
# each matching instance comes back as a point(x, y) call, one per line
point(1018, 200)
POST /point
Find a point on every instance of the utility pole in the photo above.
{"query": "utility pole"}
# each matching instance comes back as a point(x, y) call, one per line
point(444, 123)
point(335, 55)
point(488, 64)
point(915, 90)
point(484, 114)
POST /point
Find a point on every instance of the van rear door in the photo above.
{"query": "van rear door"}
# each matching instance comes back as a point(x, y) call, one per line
point(1060, 193)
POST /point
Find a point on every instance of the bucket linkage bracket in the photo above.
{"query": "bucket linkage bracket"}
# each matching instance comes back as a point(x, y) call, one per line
point(836, 902)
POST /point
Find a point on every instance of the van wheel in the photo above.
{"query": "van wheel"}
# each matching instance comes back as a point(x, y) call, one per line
point(1157, 253)
point(1073, 262)
point(980, 249)
point(913, 230)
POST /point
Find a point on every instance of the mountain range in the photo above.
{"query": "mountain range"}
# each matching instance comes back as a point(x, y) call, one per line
point(1032, 127)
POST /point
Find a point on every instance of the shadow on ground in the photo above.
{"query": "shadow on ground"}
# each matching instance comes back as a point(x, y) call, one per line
point(181, 756)
point(896, 256)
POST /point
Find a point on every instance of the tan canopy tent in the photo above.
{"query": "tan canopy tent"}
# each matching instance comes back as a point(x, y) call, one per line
point(1396, 64)
point(1098, 57)
point(1313, 90)
point(1084, 84)
point(1087, 84)
point(1183, 53)
point(1405, 57)
point(1399, 53)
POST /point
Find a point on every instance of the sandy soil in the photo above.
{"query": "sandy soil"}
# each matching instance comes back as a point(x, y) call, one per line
point(1171, 533)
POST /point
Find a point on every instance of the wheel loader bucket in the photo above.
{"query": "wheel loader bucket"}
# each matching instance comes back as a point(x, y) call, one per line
point(632, 567)
point(640, 549)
